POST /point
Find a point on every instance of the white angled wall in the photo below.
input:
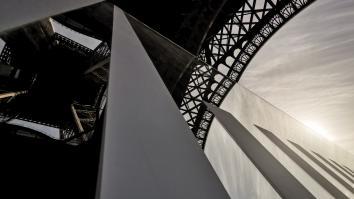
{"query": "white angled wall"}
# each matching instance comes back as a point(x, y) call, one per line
point(240, 177)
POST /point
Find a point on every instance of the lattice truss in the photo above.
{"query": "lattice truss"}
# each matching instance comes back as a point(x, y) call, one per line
point(5, 56)
point(225, 56)
point(87, 114)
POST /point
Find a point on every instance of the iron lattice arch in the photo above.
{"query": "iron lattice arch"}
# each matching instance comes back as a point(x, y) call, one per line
point(226, 54)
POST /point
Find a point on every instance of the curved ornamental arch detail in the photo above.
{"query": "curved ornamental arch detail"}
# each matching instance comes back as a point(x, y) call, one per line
point(226, 54)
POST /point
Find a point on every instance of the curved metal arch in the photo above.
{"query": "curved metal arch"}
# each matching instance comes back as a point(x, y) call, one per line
point(226, 55)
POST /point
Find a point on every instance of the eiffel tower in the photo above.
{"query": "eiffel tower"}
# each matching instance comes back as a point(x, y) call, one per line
point(55, 88)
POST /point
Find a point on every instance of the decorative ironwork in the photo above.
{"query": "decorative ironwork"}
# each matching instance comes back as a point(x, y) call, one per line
point(88, 114)
point(227, 54)
point(101, 52)
point(68, 43)
point(6, 55)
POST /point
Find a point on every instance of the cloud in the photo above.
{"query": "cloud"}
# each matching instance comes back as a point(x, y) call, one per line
point(307, 68)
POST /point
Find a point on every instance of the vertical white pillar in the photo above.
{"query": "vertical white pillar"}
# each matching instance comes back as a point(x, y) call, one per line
point(148, 149)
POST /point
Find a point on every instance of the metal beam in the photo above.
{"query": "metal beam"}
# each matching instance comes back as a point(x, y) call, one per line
point(229, 51)
point(76, 119)
point(148, 150)
point(14, 13)
point(11, 94)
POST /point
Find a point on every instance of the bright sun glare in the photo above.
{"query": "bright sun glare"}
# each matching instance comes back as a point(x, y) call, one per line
point(317, 128)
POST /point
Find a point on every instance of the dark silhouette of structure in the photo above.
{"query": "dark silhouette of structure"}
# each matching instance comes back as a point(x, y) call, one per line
point(200, 49)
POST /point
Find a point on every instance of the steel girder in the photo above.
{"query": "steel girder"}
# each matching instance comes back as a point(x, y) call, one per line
point(87, 114)
point(5, 55)
point(226, 54)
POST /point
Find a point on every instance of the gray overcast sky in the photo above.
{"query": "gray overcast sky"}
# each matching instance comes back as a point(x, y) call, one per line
point(307, 70)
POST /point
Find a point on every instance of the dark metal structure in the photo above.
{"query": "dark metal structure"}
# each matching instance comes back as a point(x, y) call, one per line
point(199, 47)
point(33, 106)
point(227, 53)
point(224, 34)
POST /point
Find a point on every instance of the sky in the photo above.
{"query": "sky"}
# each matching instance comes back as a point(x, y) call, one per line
point(307, 70)
point(82, 39)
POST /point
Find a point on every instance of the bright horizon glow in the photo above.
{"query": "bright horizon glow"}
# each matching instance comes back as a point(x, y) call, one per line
point(318, 129)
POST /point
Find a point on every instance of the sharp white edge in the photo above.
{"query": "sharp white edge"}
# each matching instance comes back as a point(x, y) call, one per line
point(148, 149)
point(14, 13)
point(46, 130)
